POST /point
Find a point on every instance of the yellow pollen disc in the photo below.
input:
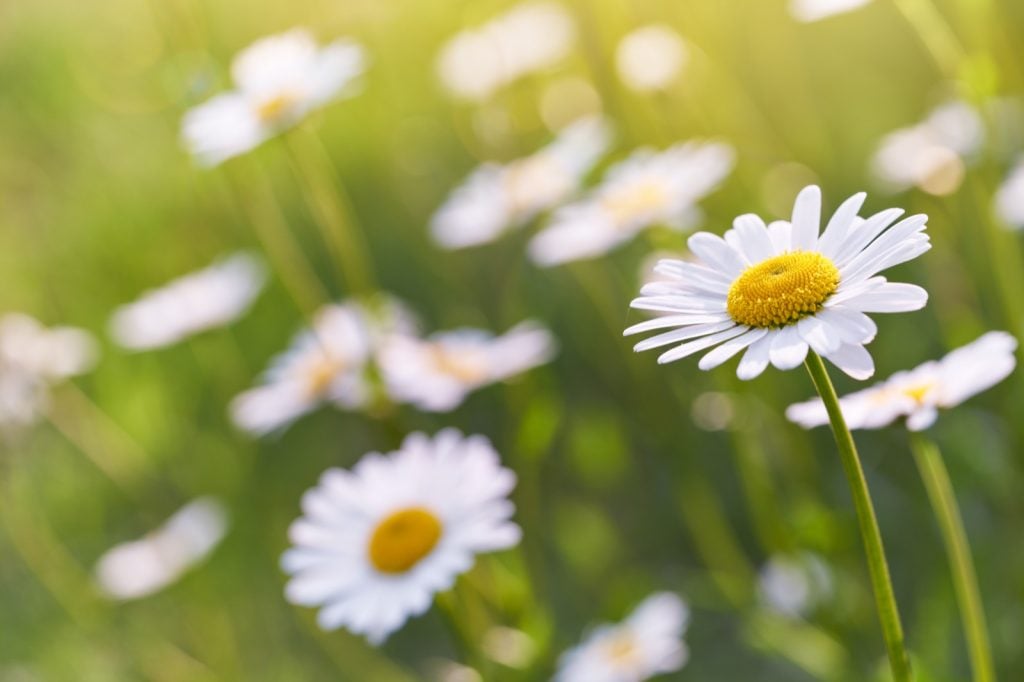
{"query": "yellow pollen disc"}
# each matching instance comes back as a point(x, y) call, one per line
point(402, 539)
point(635, 201)
point(622, 651)
point(276, 108)
point(783, 289)
point(917, 393)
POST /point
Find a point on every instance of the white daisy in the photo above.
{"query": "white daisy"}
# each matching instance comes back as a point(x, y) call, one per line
point(528, 38)
point(816, 10)
point(777, 291)
point(437, 373)
point(651, 57)
point(325, 364)
point(212, 297)
point(278, 80)
point(1009, 199)
point(141, 567)
point(930, 155)
point(648, 643)
point(498, 197)
point(918, 394)
point(793, 585)
point(376, 543)
point(647, 188)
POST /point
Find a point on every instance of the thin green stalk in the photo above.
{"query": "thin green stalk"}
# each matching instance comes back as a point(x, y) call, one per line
point(878, 568)
point(965, 579)
point(935, 32)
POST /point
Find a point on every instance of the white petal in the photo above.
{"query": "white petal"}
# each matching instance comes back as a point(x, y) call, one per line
point(677, 335)
point(817, 332)
point(672, 321)
point(781, 234)
point(755, 360)
point(788, 350)
point(755, 243)
point(806, 218)
point(730, 348)
point(716, 253)
point(860, 235)
point(839, 225)
point(854, 360)
point(700, 344)
point(922, 418)
point(891, 297)
point(852, 326)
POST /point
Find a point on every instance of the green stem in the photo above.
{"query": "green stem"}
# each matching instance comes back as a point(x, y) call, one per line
point(965, 579)
point(885, 598)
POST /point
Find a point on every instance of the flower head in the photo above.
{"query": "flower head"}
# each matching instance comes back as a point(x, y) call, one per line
point(278, 80)
point(777, 291)
point(648, 643)
point(918, 394)
point(646, 189)
point(650, 58)
point(497, 197)
point(376, 543)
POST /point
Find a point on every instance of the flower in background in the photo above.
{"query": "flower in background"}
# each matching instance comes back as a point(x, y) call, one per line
point(816, 10)
point(375, 544)
point(648, 643)
point(437, 373)
point(918, 394)
point(141, 567)
point(497, 197)
point(1009, 199)
point(775, 291)
point(931, 154)
point(646, 189)
point(33, 358)
point(212, 297)
point(324, 364)
point(279, 80)
point(650, 58)
point(793, 585)
point(528, 38)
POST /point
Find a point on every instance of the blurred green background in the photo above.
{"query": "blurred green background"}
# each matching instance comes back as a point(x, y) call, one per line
point(622, 491)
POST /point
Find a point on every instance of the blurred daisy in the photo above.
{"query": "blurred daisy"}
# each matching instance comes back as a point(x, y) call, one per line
point(325, 364)
point(793, 585)
point(650, 58)
point(918, 394)
point(931, 154)
point(497, 197)
point(212, 297)
point(376, 543)
point(141, 567)
point(528, 38)
point(648, 643)
point(1009, 199)
point(816, 10)
point(775, 291)
point(278, 80)
point(437, 373)
point(647, 188)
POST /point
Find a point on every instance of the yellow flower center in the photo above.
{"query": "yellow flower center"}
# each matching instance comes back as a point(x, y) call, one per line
point(917, 393)
point(276, 108)
point(635, 201)
point(320, 374)
point(402, 539)
point(622, 651)
point(783, 289)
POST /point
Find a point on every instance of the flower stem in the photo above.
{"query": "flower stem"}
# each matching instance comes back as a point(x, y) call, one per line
point(885, 599)
point(965, 580)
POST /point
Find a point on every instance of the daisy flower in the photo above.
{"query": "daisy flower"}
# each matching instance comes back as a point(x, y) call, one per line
point(212, 297)
point(650, 58)
point(141, 567)
point(648, 643)
point(646, 189)
point(918, 394)
point(278, 81)
point(496, 197)
point(793, 585)
point(437, 373)
point(808, 11)
point(777, 291)
point(1009, 199)
point(376, 543)
point(324, 364)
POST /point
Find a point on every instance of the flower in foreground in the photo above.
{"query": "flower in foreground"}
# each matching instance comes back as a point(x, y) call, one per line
point(1009, 199)
point(437, 373)
point(651, 57)
point(646, 189)
point(279, 80)
point(212, 297)
point(376, 543)
point(816, 10)
point(496, 198)
point(141, 567)
point(648, 643)
point(918, 394)
point(776, 291)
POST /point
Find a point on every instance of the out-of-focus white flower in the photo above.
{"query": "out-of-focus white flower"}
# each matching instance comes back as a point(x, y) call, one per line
point(816, 10)
point(648, 643)
point(279, 80)
point(646, 189)
point(141, 567)
point(1009, 199)
point(651, 57)
point(918, 394)
point(325, 364)
point(375, 544)
point(209, 298)
point(795, 585)
point(529, 37)
point(497, 197)
point(930, 155)
point(437, 373)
